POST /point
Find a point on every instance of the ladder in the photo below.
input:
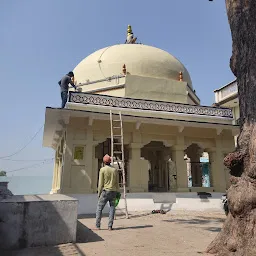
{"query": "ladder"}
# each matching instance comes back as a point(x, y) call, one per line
point(117, 150)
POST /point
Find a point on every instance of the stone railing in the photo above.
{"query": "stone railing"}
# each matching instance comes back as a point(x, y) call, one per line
point(103, 100)
point(225, 92)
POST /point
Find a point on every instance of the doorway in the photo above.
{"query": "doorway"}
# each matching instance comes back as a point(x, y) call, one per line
point(155, 153)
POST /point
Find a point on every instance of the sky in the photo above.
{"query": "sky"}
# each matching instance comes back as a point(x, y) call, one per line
point(42, 40)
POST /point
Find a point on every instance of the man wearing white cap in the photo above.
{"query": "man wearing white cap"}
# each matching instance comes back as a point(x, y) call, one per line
point(107, 190)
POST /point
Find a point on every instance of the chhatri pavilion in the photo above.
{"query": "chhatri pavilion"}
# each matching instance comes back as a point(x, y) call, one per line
point(172, 143)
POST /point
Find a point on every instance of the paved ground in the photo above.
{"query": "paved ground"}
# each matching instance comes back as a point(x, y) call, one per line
point(177, 234)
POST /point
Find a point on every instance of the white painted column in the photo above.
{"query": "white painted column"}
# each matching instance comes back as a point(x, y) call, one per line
point(218, 176)
point(65, 171)
point(89, 159)
point(55, 176)
point(181, 167)
point(138, 170)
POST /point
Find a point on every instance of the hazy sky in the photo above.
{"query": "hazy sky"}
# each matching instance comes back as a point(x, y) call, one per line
point(42, 40)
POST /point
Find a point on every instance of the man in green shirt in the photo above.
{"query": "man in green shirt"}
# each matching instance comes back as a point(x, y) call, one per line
point(107, 191)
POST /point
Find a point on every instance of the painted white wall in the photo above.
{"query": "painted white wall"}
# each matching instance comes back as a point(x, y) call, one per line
point(141, 202)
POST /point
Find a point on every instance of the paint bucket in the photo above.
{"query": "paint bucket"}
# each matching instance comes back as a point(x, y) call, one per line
point(118, 196)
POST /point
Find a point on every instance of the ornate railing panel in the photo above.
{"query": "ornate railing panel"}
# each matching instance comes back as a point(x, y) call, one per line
point(103, 100)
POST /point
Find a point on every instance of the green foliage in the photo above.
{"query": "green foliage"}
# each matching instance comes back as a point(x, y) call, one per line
point(3, 173)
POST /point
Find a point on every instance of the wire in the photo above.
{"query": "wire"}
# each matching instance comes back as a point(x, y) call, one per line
point(17, 152)
point(30, 166)
point(99, 61)
point(25, 160)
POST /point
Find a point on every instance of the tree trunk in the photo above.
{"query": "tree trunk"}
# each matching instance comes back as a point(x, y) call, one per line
point(238, 236)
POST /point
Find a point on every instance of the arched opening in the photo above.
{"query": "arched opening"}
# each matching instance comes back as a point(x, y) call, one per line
point(204, 160)
point(198, 166)
point(105, 148)
point(157, 155)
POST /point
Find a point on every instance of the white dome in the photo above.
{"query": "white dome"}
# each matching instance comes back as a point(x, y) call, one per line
point(139, 59)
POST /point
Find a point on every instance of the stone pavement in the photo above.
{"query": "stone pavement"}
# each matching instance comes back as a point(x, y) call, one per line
point(177, 234)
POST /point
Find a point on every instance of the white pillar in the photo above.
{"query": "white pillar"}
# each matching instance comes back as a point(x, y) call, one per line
point(138, 170)
point(181, 167)
point(55, 175)
point(218, 177)
point(89, 159)
point(65, 169)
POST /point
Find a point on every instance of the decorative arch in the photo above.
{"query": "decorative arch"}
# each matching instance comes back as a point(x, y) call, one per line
point(155, 152)
point(198, 172)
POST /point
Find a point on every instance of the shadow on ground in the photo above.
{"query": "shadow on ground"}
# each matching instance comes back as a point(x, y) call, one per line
point(134, 227)
point(133, 216)
point(201, 221)
point(213, 229)
point(119, 215)
point(61, 250)
point(86, 235)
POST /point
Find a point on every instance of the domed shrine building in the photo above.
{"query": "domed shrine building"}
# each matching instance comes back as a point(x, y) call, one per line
point(172, 144)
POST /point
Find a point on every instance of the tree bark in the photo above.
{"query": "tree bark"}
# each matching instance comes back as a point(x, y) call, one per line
point(238, 235)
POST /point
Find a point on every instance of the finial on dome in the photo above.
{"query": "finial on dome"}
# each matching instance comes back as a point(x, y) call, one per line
point(124, 69)
point(181, 76)
point(129, 30)
point(130, 39)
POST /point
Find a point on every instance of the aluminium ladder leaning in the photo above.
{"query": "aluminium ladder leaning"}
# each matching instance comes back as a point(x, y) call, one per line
point(117, 149)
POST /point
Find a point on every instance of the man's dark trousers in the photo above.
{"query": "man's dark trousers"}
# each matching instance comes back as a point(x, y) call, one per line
point(64, 98)
point(106, 196)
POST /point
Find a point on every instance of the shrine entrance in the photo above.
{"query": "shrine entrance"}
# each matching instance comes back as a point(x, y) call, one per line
point(198, 166)
point(157, 155)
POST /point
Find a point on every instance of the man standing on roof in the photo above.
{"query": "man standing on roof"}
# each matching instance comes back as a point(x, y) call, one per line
point(107, 190)
point(63, 83)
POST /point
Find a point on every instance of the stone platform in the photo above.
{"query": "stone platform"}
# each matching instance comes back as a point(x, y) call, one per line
point(37, 220)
